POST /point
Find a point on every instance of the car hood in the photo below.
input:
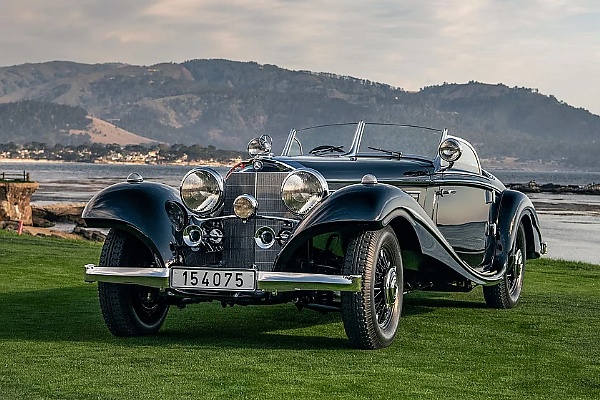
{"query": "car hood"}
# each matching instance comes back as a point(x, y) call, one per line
point(352, 170)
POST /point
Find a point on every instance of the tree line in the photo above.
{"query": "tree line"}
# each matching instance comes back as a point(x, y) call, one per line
point(95, 152)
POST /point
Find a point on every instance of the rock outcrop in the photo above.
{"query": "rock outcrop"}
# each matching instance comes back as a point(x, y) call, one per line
point(14, 201)
point(46, 216)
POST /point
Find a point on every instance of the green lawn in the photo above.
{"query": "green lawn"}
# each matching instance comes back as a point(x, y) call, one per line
point(54, 345)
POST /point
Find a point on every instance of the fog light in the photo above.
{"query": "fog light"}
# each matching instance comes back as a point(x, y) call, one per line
point(244, 206)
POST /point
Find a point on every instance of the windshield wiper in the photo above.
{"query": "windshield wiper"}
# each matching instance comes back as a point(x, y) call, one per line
point(392, 153)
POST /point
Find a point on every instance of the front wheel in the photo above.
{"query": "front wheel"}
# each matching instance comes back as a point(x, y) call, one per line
point(129, 310)
point(507, 293)
point(371, 316)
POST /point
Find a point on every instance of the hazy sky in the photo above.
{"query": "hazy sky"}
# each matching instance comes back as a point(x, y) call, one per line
point(551, 45)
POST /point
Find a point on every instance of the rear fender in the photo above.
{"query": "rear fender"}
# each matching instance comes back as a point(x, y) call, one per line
point(138, 208)
point(516, 207)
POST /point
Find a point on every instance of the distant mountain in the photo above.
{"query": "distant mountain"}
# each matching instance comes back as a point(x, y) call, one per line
point(225, 103)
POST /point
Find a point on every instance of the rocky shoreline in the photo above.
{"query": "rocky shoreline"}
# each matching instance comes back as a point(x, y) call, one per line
point(46, 217)
point(534, 187)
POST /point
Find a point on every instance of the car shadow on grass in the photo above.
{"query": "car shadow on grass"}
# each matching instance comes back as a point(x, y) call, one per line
point(73, 314)
point(431, 302)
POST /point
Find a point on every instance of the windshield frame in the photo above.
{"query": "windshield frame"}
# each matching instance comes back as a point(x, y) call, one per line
point(357, 139)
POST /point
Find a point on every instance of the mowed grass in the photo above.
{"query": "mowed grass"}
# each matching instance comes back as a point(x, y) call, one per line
point(54, 345)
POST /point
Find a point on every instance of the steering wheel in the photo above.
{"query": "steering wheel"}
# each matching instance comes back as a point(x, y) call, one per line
point(326, 148)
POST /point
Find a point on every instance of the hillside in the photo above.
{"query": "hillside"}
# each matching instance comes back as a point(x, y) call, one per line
point(35, 121)
point(225, 103)
point(100, 131)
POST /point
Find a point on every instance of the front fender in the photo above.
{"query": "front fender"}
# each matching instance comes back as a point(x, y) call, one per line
point(516, 207)
point(368, 207)
point(138, 208)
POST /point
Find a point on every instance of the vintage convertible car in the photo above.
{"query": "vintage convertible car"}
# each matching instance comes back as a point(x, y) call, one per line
point(349, 218)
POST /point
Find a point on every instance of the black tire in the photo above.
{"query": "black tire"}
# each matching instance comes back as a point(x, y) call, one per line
point(371, 316)
point(129, 310)
point(507, 293)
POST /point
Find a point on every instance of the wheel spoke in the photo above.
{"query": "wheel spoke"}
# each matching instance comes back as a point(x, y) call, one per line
point(382, 267)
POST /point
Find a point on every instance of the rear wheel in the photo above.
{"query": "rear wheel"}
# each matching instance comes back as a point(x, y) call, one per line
point(507, 293)
point(129, 310)
point(371, 316)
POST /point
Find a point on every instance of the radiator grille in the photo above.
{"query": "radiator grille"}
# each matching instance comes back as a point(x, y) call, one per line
point(239, 247)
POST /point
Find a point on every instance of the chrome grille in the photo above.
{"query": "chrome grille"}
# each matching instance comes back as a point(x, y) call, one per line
point(239, 247)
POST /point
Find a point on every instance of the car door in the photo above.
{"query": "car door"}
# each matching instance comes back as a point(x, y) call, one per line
point(462, 207)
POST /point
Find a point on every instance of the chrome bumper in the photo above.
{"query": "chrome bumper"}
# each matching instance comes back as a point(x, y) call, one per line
point(265, 281)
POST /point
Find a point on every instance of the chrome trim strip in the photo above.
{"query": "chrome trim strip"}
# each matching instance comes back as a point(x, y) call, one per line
point(466, 183)
point(258, 216)
point(292, 281)
point(152, 277)
point(274, 218)
point(266, 281)
point(271, 160)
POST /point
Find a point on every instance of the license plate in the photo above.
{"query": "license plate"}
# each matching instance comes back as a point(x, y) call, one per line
point(212, 279)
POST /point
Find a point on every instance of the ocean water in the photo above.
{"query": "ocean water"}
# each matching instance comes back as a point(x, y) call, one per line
point(571, 234)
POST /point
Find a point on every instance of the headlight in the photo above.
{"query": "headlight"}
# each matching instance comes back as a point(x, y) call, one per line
point(245, 206)
point(302, 190)
point(450, 150)
point(202, 190)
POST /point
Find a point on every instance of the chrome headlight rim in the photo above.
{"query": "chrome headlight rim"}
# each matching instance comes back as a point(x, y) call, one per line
point(321, 181)
point(213, 205)
point(450, 150)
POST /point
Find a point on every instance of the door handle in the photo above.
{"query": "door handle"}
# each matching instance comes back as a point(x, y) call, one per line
point(445, 192)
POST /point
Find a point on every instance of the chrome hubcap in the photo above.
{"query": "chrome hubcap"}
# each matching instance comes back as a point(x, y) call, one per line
point(390, 287)
point(385, 288)
point(518, 264)
point(515, 275)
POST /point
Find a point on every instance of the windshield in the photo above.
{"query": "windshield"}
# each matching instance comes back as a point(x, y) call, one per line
point(365, 139)
point(317, 139)
point(404, 140)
